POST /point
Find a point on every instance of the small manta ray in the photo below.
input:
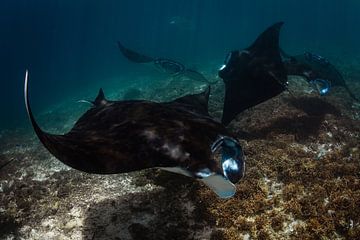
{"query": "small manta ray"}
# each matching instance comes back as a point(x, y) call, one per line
point(317, 70)
point(167, 66)
point(123, 136)
point(253, 75)
point(182, 23)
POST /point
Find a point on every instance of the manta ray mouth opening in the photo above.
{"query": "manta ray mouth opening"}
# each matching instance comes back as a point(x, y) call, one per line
point(322, 86)
point(232, 158)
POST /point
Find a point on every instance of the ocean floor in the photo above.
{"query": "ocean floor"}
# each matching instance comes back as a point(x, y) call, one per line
point(302, 178)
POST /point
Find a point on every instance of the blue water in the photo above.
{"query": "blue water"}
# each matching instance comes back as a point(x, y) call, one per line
point(70, 46)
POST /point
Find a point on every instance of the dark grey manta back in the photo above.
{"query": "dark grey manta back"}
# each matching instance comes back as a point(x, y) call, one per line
point(253, 75)
point(123, 136)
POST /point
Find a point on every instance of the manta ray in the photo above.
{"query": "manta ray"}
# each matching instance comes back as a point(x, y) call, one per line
point(317, 70)
point(124, 136)
point(254, 74)
point(166, 65)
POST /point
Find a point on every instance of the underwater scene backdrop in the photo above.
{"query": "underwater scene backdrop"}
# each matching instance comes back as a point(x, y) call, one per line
point(302, 148)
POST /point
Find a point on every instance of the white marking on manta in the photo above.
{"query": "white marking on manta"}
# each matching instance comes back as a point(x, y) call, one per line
point(244, 52)
point(216, 182)
point(86, 101)
point(222, 67)
point(221, 186)
point(179, 123)
point(175, 151)
point(150, 134)
point(177, 170)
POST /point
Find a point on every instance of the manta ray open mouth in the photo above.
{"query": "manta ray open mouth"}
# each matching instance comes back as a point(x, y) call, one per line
point(232, 158)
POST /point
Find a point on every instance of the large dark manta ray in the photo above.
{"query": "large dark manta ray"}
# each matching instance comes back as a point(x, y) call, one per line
point(124, 136)
point(316, 70)
point(166, 65)
point(253, 75)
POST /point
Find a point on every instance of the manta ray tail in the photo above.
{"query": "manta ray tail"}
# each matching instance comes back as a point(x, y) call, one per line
point(134, 56)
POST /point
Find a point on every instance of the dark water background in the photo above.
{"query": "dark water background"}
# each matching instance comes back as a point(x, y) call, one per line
point(70, 46)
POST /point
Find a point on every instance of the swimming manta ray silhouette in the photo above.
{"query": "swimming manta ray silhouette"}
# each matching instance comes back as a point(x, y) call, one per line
point(123, 136)
point(253, 75)
point(317, 70)
point(166, 65)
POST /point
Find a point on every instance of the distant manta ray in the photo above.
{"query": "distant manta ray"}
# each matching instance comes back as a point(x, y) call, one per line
point(253, 75)
point(317, 70)
point(166, 65)
point(123, 136)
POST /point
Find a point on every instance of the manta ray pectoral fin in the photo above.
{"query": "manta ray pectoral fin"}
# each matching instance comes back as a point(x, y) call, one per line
point(285, 55)
point(195, 75)
point(36, 127)
point(269, 39)
point(202, 98)
point(134, 56)
point(221, 186)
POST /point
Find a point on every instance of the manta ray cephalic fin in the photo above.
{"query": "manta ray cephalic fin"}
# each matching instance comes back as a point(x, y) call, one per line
point(221, 186)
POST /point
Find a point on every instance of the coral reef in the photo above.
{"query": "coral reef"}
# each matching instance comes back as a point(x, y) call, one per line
point(302, 180)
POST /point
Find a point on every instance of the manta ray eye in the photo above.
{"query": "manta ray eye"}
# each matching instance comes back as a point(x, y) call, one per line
point(321, 85)
point(232, 158)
